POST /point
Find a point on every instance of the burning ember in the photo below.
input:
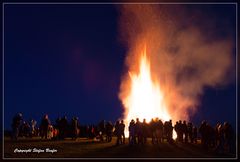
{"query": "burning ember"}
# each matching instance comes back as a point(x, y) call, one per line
point(145, 99)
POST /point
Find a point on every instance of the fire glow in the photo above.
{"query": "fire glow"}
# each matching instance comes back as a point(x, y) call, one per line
point(168, 67)
point(145, 99)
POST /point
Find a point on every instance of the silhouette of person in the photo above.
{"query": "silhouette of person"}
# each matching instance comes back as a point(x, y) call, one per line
point(101, 129)
point(122, 128)
point(118, 133)
point(33, 127)
point(228, 134)
point(131, 129)
point(25, 129)
point(16, 122)
point(159, 131)
point(109, 130)
point(185, 131)
point(181, 131)
point(208, 135)
point(195, 132)
point(169, 130)
point(138, 130)
point(145, 131)
point(203, 132)
point(63, 130)
point(153, 130)
point(44, 126)
point(75, 127)
point(190, 131)
point(177, 129)
point(58, 128)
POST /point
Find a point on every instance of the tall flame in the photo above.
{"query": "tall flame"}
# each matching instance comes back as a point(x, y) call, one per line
point(145, 99)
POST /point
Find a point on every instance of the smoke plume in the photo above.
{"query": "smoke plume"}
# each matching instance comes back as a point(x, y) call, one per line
point(184, 48)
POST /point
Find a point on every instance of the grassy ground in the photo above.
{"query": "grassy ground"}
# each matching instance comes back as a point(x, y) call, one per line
point(84, 148)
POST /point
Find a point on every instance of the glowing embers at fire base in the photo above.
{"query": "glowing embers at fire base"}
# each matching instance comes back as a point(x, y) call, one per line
point(145, 99)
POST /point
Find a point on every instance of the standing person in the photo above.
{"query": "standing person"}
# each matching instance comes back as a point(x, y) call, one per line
point(145, 131)
point(91, 131)
point(211, 138)
point(109, 130)
point(75, 128)
point(220, 138)
point(228, 134)
point(33, 127)
point(122, 128)
point(153, 130)
point(118, 133)
point(190, 131)
point(58, 127)
point(138, 129)
point(177, 129)
point(101, 129)
point(185, 131)
point(64, 127)
point(131, 129)
point(26, 129)
point(16, 122)
point(169, 130)
point(58, 123)
point(217, 135)
point(195, 134)
point(203, 132)
point(180, 131)
point(44, 126)
point(160, 131)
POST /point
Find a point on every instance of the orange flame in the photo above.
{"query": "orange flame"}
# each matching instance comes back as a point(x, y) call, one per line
point(145, 99)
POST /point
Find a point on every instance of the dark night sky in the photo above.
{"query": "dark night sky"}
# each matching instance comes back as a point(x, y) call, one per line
point(68, 60)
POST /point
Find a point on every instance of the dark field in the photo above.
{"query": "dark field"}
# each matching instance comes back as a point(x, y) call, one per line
point(85, 148)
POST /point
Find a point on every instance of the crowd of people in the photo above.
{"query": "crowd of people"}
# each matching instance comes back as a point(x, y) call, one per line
point(221, 137)
point(60, 130)
point(159, 130)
